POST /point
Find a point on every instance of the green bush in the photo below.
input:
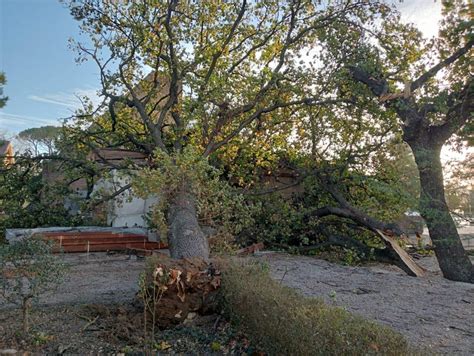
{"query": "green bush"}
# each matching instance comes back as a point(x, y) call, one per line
point(283, 322)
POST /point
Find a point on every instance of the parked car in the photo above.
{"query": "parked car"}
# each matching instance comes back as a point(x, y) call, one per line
point(411, 223)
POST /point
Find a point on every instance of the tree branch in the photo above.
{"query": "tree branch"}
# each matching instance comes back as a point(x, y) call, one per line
point(444, 63)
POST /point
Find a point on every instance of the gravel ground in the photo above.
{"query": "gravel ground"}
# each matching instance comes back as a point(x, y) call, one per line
point(95, 278)
point(98, 278)
point(430, 311)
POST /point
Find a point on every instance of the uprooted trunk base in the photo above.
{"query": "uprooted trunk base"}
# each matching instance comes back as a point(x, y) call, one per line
point(177, 288)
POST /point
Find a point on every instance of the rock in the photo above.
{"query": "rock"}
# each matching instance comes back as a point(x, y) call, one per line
point(62, 348)
point(8, 352)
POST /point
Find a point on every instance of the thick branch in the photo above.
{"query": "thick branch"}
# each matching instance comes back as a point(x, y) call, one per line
point(229, 37)
point(377, 86)
point(444, 63)
point(357, 216)
point(110, 196)
point(457, 115)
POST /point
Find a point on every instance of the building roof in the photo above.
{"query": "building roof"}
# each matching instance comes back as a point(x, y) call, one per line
point(115, 154)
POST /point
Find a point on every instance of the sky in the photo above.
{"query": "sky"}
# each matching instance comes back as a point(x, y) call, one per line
point(43, 77)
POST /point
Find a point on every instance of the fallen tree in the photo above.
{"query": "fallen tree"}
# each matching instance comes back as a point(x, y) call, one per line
point(239, 65)
point(386, 231)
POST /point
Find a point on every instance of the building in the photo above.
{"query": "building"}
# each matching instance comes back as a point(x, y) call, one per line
point(125, 209)
point(6, 152)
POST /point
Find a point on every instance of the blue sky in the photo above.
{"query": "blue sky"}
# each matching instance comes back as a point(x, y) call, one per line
point(43, 78)
point(41, 73)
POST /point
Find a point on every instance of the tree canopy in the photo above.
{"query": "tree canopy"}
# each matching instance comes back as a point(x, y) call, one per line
point(41, 138)
point(221, 99)
point(3, 81)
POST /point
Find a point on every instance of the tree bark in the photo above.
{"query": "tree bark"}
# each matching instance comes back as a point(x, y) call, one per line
point(452, 258)
point(185, 236)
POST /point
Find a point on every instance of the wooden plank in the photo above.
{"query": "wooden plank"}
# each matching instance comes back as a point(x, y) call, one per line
point(108, 243)
point(80, 234)
point(111, 247)
point(405, 258)
point(92, 241)
point(90, 237)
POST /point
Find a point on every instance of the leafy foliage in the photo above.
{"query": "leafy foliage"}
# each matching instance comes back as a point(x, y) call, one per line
point(288, 221)
point(41, 138)
point(3, 81)
point(219, 206)
point(28, 201)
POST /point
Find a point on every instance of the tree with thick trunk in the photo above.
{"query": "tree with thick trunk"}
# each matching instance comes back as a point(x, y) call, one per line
point(426, 139)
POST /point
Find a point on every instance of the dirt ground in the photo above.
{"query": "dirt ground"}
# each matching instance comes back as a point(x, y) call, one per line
point(429, 311)
point(93, 329)
point(95, 312)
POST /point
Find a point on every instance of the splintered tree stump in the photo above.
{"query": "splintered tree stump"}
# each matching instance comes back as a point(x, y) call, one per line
point(403, 259)
point(175, 288)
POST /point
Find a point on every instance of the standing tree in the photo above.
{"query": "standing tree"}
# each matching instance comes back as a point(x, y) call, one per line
point(3, 81)
point(217, 73)
point(431, 108)
point(41, 138)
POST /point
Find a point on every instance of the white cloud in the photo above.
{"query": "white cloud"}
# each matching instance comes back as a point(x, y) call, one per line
point(70, 100)
point(56, 99)
point(6, 119)
point(14, 123)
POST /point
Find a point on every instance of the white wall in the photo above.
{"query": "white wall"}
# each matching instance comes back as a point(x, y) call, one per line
point(125, 210)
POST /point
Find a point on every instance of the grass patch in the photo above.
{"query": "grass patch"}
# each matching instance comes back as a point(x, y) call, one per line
point(284, 322)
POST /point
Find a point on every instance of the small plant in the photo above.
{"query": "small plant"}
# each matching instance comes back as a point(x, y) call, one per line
point(41, 338)
point(126, 350)
point(216, 346)
point(28, 269)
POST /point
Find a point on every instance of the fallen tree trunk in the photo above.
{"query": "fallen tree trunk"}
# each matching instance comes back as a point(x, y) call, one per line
point(387, 255)
point(185, 236)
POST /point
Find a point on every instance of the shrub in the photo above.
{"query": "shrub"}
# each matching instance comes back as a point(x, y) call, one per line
point(28, 269)
point(286, 323)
